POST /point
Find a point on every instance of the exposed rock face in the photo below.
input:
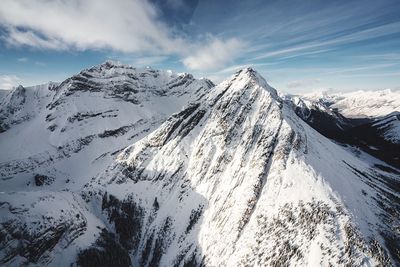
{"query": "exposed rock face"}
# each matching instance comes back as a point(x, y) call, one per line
point(37, 226)
point(233, 178)
point(105, 252)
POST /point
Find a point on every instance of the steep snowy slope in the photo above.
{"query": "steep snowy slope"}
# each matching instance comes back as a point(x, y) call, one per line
point(3, 93)
point(235, 178)
point(380, 138)
point(22, 104)
point(360, 104)
point(239, 179)
point(390, 127)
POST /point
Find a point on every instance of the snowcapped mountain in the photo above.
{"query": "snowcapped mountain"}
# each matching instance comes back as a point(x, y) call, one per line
point(328, 121)
point(97, 112)
point(360, 104)
point(120, 166)
point(377, 136)
point(390, 126)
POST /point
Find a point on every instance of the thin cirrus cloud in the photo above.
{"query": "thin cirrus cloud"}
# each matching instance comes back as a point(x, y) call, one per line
point(23, 59)
point(314, 45)
point(302, 83)
point(9, 81)
point(124, 26)
point(215, 55)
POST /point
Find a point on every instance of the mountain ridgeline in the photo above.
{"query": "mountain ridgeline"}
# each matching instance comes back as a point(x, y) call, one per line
point(121, 166)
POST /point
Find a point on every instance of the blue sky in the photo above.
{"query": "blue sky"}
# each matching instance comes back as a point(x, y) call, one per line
point(298, 46)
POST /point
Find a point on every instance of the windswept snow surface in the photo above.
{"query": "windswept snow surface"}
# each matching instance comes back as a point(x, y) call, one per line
point(232, 178)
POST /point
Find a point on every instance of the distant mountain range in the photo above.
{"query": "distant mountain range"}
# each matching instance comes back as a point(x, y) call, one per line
point(120, 166)
point(360, 104)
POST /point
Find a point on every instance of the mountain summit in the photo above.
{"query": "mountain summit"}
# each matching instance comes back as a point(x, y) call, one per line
point(128, 167)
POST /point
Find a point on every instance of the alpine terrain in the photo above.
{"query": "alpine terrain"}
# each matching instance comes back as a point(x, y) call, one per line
point(121, 166)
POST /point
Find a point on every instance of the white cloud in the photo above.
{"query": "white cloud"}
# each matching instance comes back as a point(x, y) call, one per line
point(9, 81)
point(127, 26)
point(214, 55)
point(23, 59)
point(303, 83)
point(124, 25)
point(29, 38)
point(148, 61)
point(40, 63)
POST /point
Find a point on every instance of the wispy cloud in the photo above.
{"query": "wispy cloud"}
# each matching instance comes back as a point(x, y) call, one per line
point(23, 59)
point(30, 38)
point(379, 57)
point(40, 63)
point(363, 68)
point(9, 81)
point(125, 26)
point(302, 83)
point(148, 60)
point(309, 47)
point(369, 75)
point(214, 55)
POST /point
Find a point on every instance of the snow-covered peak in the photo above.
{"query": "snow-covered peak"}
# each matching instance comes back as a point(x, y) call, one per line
point(243, 160)
point(249, 78)
point(99, 104)
point(113, 63)
point(135, 85)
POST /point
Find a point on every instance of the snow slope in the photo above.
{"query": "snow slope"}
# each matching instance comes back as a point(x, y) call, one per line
point(233, 178)
point(3, 93)
point(263, 182)
point(390, 126)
